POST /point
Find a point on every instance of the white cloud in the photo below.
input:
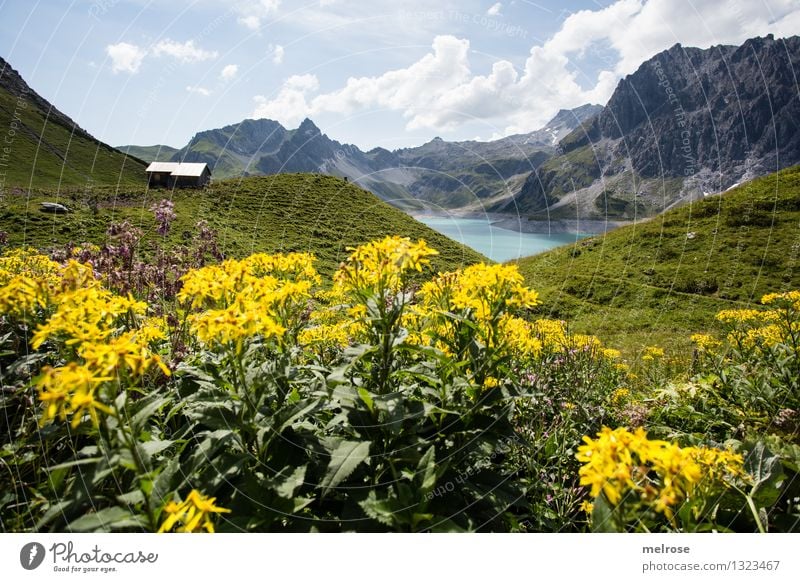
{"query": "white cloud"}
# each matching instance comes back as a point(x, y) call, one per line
point(290, 105)
point(229, 72)
point(414, 90)
point(198, 90)
point(494, 9)
point(441, 91)
point(125, 57)
point(185, 52)
point(253, 13)
point(278, 53)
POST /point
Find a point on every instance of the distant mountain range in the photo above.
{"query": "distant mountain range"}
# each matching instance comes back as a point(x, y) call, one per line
point(44, 148)
point(450, 174)
point(688, 123)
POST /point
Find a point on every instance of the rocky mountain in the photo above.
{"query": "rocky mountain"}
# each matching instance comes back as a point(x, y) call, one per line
point(689, 122)
point(44, 147)
point(438, 173)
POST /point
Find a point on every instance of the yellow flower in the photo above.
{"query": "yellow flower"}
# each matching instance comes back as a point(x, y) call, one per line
point(28, 282)
point(381, 266)
point(740, 316)
point(552, 334)
point(127, 351)
point(652, 353)
point(69, 391)
point(241, 320)
point(619, 396)
point(489, 289)
point(619, 464)
point(705, 343)
point(490, 382)
point(789, 299)
point(192, 514)
point(86, 314)
point(324, 335)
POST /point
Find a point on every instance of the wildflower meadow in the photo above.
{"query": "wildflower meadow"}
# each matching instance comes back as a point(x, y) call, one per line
point(179, 390)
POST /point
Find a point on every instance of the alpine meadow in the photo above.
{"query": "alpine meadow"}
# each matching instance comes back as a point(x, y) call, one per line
point(248, 330)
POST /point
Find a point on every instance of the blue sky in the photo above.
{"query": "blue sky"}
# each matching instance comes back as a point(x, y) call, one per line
point(374, 73)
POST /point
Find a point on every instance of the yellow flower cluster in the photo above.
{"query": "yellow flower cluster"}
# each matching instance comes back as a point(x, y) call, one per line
point(484, 293)
point(620, 396)
point(789, 299)
point(755, 329)
point(517, 334)
point(70, 392)
point(652, 353)
point(620, 464)
point(88, 314)
point(485, 290)
point(260, 295)
point(705, 343)
point(382, 266)
point(85, 318)
point(192, 514)
point(27, 281)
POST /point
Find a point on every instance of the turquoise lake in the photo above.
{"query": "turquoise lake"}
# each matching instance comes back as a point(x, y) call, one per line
point(498, 244)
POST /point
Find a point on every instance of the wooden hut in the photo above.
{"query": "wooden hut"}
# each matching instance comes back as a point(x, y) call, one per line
point(178, 175)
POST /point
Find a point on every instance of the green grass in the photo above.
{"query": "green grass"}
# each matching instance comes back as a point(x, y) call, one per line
point(286, 212)
point(48, 155)
point(153, 153)
point(659, 281)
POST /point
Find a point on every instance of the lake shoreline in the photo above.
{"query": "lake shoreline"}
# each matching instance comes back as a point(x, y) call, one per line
point(494, 242)
point(523, 225)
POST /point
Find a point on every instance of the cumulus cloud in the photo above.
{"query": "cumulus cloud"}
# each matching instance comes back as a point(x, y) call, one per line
point(290, 105)
point(229, 72)
point(253, 13)
point(186, 52)
point(198, 90)
point(277, 52)
point(125, 57)
point(441, 91)
point(494, 9)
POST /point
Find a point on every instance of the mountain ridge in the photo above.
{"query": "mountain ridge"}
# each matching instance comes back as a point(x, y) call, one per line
point(687, 123)
point(44, 147)
point(435, 173)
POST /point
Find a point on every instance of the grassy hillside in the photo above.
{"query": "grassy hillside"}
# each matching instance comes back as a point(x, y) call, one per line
point(658, 281)
point(287, 212)
point(46, 154)
point(153, 153)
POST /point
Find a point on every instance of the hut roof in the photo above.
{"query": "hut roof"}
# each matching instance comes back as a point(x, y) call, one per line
point(178, 168)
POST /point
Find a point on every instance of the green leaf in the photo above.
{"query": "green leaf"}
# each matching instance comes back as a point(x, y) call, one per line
point(427, 466)
point(603, 516)
point(134, 497)
point(288, 416)
point(107, 519)
point(292, 482)
point(367, 398)
point(154, 447)
point(767, 471)
point(344, 459)
point(381, 510)
point(147, 408)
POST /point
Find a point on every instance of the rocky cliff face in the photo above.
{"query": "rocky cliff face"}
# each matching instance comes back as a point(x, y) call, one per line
point(697, 120)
